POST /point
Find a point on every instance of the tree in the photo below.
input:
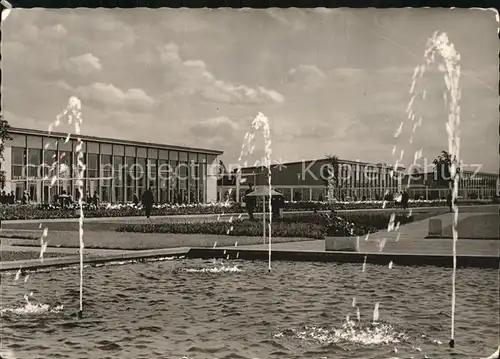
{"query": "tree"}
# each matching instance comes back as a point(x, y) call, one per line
point(4, 136)
point(330, 173)
point(442, 168)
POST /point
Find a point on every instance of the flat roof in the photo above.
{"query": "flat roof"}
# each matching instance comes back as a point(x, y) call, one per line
point(463, 171)
point(33, 132)
point(381, 165)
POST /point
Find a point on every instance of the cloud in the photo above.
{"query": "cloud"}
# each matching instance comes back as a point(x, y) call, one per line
point(108, 94)
point(215, 127)
point(192, 77)
point(84, 65)
point(309, 76)
point(57, 31)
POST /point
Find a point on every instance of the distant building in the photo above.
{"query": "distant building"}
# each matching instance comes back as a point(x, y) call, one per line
point(306, 180)
point(46, 164)
point(471, 185)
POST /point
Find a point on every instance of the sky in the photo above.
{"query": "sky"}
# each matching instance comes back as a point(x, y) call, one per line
point(329, 81)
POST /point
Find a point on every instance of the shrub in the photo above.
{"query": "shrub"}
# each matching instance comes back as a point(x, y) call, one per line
point(15, 212)
point(315, 226)
point(237, 228)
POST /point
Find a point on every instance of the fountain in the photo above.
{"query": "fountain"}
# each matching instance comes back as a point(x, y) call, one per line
point(74, 117)
point(247, 148)
point(251, 304)
point(439, 45)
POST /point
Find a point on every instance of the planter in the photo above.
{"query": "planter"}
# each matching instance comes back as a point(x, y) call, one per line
point(342, 244)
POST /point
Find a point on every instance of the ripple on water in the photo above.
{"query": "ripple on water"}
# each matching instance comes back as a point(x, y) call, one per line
point(202, 310)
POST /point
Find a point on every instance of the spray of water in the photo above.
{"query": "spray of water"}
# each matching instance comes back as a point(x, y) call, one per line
point(261, 123)
point(439, 46)
point(73, 114)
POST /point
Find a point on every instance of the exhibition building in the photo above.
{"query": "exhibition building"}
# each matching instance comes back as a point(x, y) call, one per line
point(44, 165)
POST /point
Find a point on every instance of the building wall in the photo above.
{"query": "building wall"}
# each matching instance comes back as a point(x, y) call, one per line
point(470, 185)
point(48, 166)
point(304, 180)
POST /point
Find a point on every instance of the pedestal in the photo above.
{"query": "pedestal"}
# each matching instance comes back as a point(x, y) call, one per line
point(342, 244)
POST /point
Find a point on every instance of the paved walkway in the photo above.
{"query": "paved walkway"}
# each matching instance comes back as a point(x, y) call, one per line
point(408, 239)
point(200, 217)
point(418, 229)
point(424, 246)
point(138, 241)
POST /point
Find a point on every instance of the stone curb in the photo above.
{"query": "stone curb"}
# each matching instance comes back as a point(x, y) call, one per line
point(33, 264)
point(398, 259)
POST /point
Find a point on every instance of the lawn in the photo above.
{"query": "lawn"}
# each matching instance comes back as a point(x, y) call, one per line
point(483, 226)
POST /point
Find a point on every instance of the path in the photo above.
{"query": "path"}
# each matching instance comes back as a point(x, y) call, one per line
point(418, 229)
point(138, 241)
point(423, 246)
point(204, 217)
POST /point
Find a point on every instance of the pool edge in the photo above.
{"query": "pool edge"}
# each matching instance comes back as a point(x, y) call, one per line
point(400, 259)
point(67, 261)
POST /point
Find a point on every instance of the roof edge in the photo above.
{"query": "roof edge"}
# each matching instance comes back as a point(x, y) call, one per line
point(35, 132)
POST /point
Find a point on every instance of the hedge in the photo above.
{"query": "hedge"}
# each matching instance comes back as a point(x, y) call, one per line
point(315, 226)
point(19, 212)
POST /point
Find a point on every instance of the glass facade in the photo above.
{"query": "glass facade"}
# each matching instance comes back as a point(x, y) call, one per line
point(46, 167)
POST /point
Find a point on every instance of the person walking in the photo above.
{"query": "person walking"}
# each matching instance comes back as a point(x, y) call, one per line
point(96, 199)
point(404, 199)
point(250, 201)
point(147, 201)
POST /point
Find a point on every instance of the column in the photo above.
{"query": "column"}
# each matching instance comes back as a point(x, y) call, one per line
point(211, 179)
point(7, 168)
point(238, 183)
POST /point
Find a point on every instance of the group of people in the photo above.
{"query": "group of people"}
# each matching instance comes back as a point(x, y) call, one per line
point(277, 204)
point(7, 198)
point(65, 200)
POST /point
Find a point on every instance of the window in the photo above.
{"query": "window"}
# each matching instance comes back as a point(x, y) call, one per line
point(18, 162)
point(76, 166)
point(130, 169)
point(118, 174)
point(152, 174)
point(164, 173)
point(201, 186)
point(65, 164)
point(182, 172)
point(34, 162)
point(173, 181)
point(141, 176)
point(49, 159)
point(93, 165)
point(106, 166)
point(193, 182)
point(106, 175)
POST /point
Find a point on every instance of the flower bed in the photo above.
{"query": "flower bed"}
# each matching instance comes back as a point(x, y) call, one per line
point(236, 228)
point(315, 226)
point(16, 212)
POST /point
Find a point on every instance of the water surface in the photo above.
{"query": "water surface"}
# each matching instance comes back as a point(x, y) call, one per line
point(198, 309)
